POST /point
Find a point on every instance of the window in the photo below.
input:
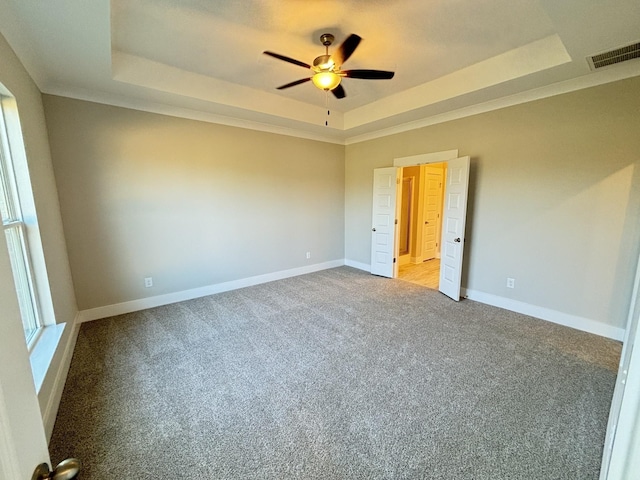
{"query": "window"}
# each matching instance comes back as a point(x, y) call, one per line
point(15, 231)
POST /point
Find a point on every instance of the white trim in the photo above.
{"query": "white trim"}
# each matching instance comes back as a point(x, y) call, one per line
point(517, 63)
point(51, 410)
point(561, 318)
point(592, 79)
point(43, 350)
point(623, 437)
point(159, 300)
point(359, 265)
point(144, 105)
point(542, 313)
point(25, 203)
point(424, 158)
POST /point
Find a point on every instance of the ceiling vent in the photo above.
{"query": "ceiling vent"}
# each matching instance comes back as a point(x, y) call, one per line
point(618, 55)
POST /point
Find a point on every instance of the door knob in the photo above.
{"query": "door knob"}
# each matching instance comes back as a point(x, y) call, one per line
point(457, 240)
point(66, 470)
point(426, 223)
point(373, 229)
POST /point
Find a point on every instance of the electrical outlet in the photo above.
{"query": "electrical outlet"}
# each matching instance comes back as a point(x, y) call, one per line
point(511, 283)
point(308, 255)
point(148, 282)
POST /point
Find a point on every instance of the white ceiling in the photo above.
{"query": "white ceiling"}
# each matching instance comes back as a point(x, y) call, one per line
point(203, 58)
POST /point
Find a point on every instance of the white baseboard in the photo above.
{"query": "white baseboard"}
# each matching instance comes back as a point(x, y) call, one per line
point(51, 410)
point(568, 320)
point(360, 266)
point(159, 300)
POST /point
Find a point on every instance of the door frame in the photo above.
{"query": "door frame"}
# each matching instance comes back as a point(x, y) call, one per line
point(414, 161)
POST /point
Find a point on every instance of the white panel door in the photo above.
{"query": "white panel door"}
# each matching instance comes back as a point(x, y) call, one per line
point(453, 224)
point(620, 453)
point(383, 221)
point(432, 202)
point(22, 439)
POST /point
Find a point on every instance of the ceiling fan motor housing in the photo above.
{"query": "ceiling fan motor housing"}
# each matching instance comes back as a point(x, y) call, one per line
point(323, 62)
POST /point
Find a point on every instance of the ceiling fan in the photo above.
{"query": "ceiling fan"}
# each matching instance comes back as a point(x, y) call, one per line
point(327, 73)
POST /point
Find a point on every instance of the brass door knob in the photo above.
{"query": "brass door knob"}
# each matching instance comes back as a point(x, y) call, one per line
point(66, 470)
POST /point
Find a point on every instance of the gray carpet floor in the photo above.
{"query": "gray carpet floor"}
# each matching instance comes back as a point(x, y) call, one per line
point(335, 375)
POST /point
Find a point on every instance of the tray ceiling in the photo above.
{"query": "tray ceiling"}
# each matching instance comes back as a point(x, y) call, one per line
point(203, 58)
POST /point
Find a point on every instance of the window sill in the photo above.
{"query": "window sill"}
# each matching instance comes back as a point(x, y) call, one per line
point(43, 351)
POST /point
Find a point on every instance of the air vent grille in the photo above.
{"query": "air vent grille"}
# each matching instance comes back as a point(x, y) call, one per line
point(618, 55)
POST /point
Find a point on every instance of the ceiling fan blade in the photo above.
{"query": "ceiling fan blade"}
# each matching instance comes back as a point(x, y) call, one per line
point(293, 84)
point(369, 74)
point(287, 59)
point(345, 50)
point(339, 92)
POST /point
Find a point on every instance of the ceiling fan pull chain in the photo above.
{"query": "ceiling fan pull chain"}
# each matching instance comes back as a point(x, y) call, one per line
point(326, 93)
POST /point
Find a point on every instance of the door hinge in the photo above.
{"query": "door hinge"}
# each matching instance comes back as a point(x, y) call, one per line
point(395, 222)
point(394, 260)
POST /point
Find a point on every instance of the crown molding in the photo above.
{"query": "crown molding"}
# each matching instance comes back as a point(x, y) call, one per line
point(595, 79)
point(181, 112)
point(609, 75)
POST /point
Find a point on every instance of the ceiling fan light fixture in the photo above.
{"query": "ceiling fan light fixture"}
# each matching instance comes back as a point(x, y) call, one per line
point(326, 80)
point(326, 72)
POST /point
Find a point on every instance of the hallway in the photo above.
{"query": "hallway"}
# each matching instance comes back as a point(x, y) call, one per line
point(426, 273)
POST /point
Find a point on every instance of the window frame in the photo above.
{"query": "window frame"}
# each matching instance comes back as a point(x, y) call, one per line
point(13, 219)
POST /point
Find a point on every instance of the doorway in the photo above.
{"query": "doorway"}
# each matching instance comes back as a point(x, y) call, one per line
point(385, 215)
point(420, 223)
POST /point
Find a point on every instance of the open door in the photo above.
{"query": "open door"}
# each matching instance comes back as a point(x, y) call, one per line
point(620, 458)
point(384, 215)
point(384, 221)
point(23, 445)
point(453, 225)
point(432, 206)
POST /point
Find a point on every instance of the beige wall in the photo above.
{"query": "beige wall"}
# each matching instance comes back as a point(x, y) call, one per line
point(554, 195)
point(554, 198)
point(188, 203)
point(16, 79)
